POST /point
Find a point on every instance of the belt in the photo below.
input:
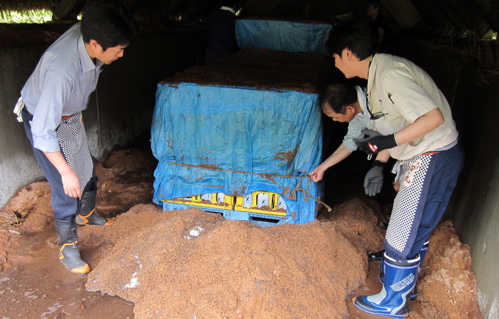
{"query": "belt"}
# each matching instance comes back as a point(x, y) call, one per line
point(66, 117)
point(430, 153)
point(63, 118)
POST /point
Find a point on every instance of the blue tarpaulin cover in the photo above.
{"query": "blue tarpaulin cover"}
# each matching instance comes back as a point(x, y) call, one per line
point(282, 35)
point(237, 140)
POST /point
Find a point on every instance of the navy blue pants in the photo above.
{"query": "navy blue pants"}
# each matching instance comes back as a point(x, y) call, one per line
point(64, 206)
point(427, 183)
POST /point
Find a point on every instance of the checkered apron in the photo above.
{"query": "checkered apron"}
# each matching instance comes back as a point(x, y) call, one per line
point(74, 147)
point(414, 176)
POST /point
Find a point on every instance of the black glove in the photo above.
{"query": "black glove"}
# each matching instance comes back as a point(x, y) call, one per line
point(374, 179)
point(372, 142)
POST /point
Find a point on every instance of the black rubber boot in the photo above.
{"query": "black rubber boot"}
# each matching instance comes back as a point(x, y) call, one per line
point(88, 215)
point(377, 256)
point(69, 254)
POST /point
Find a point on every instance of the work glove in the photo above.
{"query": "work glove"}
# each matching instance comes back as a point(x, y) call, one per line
point(374, 179)
point(373, 142)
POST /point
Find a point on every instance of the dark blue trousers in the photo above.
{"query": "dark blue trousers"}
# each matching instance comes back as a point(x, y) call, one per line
point(428, 182)
point(64, 206)
point(448, 167)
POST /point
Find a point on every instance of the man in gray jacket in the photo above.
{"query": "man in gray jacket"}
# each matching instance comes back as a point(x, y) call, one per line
point(50, 107)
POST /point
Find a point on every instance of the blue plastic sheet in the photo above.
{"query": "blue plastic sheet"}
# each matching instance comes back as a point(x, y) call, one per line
point(216, 139)
point(282, 35)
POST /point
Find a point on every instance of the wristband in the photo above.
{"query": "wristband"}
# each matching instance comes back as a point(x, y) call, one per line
point(379, 143)
point(379, 163)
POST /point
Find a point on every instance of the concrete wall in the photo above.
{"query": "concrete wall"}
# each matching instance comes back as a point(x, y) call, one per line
point(18, 166)
point(119, 112)
point(475, 208)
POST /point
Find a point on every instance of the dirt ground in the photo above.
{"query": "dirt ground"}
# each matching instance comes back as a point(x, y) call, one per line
point(195, 264)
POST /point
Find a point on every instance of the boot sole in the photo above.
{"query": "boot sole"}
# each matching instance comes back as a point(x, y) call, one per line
point(359, 306)
point(108, 223)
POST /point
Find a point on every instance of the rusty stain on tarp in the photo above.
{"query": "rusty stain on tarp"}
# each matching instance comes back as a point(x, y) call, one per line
point(286, 156)
point(268, 176)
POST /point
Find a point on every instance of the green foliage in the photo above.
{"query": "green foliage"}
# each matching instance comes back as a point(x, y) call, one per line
point(30, 16)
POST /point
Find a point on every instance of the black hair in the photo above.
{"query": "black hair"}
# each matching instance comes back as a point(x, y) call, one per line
point(109, 23)
point(355, 36)
point(339, 96)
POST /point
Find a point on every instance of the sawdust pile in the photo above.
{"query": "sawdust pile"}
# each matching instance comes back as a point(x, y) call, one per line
point(262, 69)
point(125, 180)
point(446, 272)
point(195, 264)
point(26, 213)
point(202, 266)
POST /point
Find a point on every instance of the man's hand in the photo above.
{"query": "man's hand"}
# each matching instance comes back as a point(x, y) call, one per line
point(70, 181)
point(338, 155)
point(317, 174)
point(374, 179)
point(373, 142)
point(71, 184)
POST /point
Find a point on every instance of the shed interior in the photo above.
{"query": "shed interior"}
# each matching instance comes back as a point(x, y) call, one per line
point(455, 41)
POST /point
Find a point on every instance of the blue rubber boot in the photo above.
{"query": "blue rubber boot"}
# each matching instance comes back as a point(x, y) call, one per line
point(381, 275)
point(393, 299)
point(422, 255)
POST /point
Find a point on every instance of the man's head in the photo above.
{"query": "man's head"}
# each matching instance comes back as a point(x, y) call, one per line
point(107, 27)
point(372, 8)
point(353, 40)
point(340, 102)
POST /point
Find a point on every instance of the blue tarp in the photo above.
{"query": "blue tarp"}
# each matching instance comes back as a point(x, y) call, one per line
point(282, 35)
point(217, 139)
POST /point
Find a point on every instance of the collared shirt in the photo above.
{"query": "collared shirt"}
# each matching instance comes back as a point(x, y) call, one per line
point(227, 9)
point(60, 86)
point(358, 123)
point(398, 93)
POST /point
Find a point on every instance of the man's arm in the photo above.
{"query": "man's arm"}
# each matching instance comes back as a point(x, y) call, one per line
point(340, 154)
point(383, 156)
point(420, 127)
point(417, 129)
point(70, 180)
